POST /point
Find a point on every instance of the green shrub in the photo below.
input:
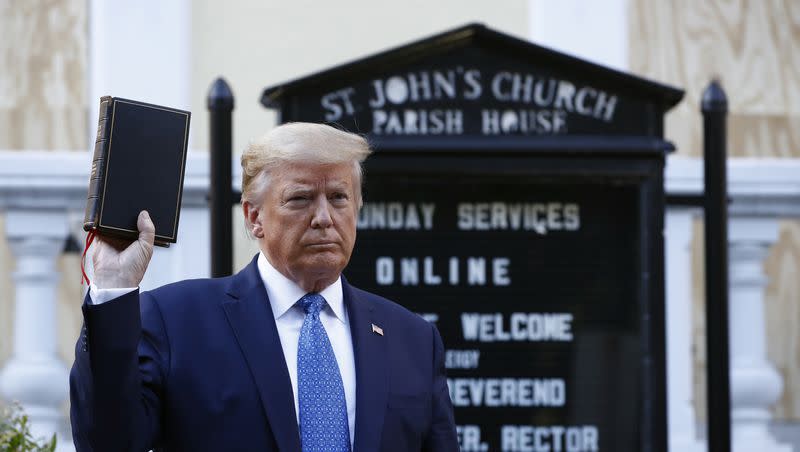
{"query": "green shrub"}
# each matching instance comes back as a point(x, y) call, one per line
point(15, 434)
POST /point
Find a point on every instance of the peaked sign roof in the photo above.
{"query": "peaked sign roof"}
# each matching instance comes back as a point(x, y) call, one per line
point(474, 81)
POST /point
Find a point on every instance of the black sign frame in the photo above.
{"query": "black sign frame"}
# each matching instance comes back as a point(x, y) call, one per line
point(625, 147)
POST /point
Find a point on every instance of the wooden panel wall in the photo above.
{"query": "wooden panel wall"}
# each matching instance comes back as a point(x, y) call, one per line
point(783, 316)
point(43, 74)
point(753, 47)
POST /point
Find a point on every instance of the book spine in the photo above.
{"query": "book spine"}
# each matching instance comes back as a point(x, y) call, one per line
point(90, 218)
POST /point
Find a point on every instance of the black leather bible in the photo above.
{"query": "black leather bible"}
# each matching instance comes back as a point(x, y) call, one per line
point(139, 163)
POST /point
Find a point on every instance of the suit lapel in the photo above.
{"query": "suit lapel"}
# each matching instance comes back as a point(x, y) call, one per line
point(253, 324)
point(369, 349)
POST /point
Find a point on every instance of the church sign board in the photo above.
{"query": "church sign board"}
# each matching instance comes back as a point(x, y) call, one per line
point(515, 200)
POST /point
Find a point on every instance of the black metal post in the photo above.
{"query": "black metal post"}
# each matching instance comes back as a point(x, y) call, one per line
point(715, 110)
point(220, 108)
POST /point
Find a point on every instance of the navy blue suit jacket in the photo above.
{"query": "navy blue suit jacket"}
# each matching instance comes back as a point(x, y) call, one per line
point(198, 366)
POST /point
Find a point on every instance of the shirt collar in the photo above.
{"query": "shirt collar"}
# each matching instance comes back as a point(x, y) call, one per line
point(283, 293)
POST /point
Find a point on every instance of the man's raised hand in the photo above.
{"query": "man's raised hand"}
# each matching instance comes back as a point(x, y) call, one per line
point(121, 263)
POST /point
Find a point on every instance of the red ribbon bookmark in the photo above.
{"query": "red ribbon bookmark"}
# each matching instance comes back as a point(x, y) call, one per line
point(89, 239)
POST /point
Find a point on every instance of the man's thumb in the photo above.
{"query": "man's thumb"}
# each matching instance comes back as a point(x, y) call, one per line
point(147, 231)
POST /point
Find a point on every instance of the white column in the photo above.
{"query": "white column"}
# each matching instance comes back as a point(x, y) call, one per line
point(755, 384)
point(34, 376)
point(139, 50)
point(603, 36)
point(682, 422)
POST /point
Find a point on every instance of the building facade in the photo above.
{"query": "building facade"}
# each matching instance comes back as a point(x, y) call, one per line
point(60, 56)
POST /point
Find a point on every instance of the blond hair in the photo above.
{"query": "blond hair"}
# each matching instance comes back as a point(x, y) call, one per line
point(299, 142)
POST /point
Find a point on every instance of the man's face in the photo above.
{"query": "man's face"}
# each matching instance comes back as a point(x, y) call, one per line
point(308, 220)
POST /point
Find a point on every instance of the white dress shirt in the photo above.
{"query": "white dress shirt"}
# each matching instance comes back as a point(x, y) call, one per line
point(283, 295)
point(100, 296)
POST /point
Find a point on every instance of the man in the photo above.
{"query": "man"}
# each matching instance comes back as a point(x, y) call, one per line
point(283, 356)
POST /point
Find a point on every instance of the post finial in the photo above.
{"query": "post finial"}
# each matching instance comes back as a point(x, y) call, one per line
point(220, 96)
point(714, 98)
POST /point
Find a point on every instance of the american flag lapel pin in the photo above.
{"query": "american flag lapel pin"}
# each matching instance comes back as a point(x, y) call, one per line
point(377, 329)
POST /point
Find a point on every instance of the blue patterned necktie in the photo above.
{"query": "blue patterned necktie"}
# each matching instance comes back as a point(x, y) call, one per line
point(323, 411)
